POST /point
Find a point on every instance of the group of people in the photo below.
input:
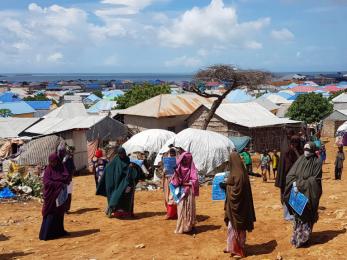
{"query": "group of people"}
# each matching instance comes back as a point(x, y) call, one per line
point(299, 172)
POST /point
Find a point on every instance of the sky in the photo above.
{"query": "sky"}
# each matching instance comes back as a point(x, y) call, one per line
point(171, 36)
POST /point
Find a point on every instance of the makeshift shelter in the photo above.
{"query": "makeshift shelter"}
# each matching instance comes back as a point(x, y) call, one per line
point(9, 96)
point(102, 106)
point(240, 142)
point(37, 151)
point(245, 119)
point(340, 102)
point(166, 111)
point(210, 150)
point(72, 122)
point(283, 110)
point(91, 100)
point(11, 127)
point(277, 99)
point(18, 109)
point(150, 140)
point(239, 96)
point(267, 104)
point(42, 107)
point(332, 122)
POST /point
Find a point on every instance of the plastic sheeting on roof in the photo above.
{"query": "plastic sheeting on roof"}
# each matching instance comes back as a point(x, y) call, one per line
point(342, 98)
point(150, 140)
point(264, 102)
point(277, 99)
point(102, 105)
point(9, 96)
point(209, 149)
point(240, 142)
point(40, 105)
point(286, 93)
point(239, 96)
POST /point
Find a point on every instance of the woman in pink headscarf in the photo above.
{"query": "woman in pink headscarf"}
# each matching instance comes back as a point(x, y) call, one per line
point(186, 177)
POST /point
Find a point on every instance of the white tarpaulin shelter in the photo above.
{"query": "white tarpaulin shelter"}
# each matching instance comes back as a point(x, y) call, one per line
point(209, 149)
point(342, 129)
point(150, 140)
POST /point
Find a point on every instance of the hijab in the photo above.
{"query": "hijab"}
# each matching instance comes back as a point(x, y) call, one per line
point(239, 208)
point(54, 179)
point(186, 172)
point(307, 173)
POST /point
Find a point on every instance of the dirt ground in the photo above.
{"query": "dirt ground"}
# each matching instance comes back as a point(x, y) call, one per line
point(94, 236)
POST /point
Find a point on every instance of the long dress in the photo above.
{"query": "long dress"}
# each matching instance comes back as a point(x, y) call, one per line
point(186, 177)
point(118, 185)
point(307, 173)
point(239, 208)
point(55, 179)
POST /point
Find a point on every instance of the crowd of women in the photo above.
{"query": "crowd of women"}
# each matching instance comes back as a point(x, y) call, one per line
point(299, 171)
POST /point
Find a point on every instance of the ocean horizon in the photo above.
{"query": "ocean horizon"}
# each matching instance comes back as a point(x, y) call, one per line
point(167, 77)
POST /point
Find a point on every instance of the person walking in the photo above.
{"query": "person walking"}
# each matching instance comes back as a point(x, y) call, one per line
point(265, 160)
point(340, 158)
point(239, 209)
point(305, 177)
point(275, 158)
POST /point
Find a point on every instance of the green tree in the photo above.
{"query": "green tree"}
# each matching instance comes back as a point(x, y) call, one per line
point(139, 94)
point(5, 113)
point(98, 93)
point(310, 108)
point(37, 97)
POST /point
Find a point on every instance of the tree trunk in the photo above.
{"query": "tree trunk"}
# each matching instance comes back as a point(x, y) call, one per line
point(214, 108)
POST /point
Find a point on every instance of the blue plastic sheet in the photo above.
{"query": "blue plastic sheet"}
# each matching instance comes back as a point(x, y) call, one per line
point(6, 193)
point(240, 142)
point(297, 201)
point(169, 165)
point(217, 192)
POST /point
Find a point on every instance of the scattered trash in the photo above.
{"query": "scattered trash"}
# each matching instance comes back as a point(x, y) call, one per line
point(140, 246)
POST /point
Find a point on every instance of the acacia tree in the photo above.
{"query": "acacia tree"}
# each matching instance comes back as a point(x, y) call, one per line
point(231, 77)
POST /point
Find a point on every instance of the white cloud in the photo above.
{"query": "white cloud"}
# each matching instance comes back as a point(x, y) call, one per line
point(126, 7)
point(183, 61)
point(298, 54)
point(210, 24)
point(282, 35)
point(111, 60)
point(55, 57)
point(254, 45)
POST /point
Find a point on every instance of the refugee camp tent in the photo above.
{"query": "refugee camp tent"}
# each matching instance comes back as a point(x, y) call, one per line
point(209, 149)
point(36, 152)
point(277, 99)
point(340, 102)
point(245, 119)
point(150, 140)
point(72, 122)
point(102, 105)
point(267, 104)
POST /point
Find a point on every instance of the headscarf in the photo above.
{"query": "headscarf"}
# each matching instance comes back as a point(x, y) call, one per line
point(289, 155)
point(307, 173)
point(239, 208)
point(186, 172)
point(54, 179)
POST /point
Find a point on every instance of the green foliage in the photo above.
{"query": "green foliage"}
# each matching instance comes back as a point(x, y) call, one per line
point(139, 94)
point(334, 95)
point(5, 113)
point(310, 108)
point(98, 93)
point(37, 97)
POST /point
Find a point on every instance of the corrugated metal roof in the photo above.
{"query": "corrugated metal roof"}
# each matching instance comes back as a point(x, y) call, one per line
point(11, 127)
point(264, 102)
point(342, 98)
point(250, 115)
point(277, 99)
point(17, 108)
point(282, 111)
point(167, 105)
point(68, 111)
point(92, 98)
point(337, 115)
point(303, 89)
point(238, 96)
point(40, 105)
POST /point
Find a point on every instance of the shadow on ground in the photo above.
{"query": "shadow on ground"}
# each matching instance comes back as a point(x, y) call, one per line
point(261, 249)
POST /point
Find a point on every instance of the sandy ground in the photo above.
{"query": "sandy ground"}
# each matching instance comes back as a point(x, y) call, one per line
point(94, 236)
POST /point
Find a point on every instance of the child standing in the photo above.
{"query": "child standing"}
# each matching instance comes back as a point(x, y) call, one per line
point(275, 158)
point(340, 157)
point(265, 164)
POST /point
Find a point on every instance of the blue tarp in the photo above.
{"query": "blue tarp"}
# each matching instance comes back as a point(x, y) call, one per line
point(40, 105)
point(9, 96)
point(239, 96)
point(240, 142)
point(6, 193)
point(284, 95)
point(17, 108)
point(295, 96)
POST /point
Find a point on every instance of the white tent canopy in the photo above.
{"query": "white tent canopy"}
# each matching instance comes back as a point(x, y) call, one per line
point(150, 140)
point(342, 128)
point(209, 149)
